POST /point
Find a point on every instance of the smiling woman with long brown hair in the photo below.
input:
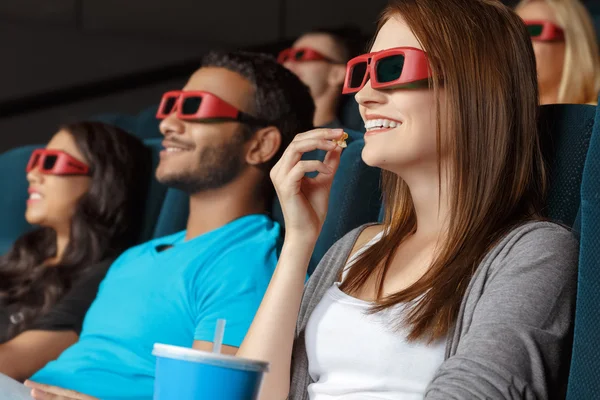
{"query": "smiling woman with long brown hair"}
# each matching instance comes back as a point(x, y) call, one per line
point(464, 291)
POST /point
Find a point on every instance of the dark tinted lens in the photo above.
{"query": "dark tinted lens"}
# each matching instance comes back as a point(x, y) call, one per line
point(35, 157)
point(191, 105)
point(357, 74)
point(390, 68)
point(49, 162)
point(168, 105)
point(299, 55)
point(535, 30)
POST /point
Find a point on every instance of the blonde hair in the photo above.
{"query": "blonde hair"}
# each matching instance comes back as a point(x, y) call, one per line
point(580, 82)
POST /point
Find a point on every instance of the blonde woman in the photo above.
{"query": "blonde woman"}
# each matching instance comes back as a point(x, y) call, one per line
point(566, 50)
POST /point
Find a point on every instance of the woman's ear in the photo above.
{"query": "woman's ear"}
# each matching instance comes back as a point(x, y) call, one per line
point(263, 146)
point(337, 73)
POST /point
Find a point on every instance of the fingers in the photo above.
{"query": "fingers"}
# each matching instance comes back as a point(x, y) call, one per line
point(38, 394)
point(320, 131)
point(300, 169)
point(332, 158)
point(296, 149)
point(41, 386)
point(321, 139)
point(46, 392)
point(306, 145)
point(41, 395)
point(332, 162)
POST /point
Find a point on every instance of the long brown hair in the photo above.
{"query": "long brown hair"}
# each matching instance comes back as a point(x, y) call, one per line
point(484, 54)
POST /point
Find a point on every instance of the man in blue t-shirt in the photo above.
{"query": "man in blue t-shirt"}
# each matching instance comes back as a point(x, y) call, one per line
point(223, 132)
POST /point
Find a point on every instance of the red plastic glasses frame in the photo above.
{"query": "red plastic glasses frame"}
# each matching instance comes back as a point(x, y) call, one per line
point(64, 164)
point(549, 32)
point(414, 70)
point(210, 107)
point(300, 54)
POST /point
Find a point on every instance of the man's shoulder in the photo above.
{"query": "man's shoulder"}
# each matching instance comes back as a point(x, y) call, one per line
point(245, 253)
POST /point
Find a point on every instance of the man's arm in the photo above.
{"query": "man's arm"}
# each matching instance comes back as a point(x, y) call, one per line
point(46, 392)
point(27, 353)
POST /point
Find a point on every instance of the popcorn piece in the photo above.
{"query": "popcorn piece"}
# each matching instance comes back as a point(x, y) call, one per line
point(342, 141)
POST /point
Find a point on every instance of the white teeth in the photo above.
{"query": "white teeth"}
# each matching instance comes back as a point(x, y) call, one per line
point(381, 124)
point(173, 149)
point(35, 196)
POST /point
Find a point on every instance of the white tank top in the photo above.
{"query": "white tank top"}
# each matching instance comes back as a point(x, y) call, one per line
point(354, 355)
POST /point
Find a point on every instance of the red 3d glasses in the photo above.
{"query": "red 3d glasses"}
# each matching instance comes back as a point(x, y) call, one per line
point(301, 54)
point(202, 106)
point(399, 67)
point(545, 31)
point(56, 162)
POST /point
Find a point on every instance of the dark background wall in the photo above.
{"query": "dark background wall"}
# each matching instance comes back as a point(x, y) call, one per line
point(52, 47)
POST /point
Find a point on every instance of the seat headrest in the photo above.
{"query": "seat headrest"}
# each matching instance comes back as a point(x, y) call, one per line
point(565, 132)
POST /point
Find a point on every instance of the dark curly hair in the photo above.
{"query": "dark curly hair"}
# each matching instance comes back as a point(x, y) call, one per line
point(280, 97)
point(103, 225)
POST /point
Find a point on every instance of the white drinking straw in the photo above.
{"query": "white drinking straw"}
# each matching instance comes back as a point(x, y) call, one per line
point(219, 332)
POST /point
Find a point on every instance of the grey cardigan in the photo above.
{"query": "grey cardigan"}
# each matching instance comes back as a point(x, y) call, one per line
point(511, 339)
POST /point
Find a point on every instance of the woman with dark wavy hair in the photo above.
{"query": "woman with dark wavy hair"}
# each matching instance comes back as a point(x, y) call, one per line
point(85, 191)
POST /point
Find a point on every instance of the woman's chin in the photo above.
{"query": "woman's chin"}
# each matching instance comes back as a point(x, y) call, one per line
point(369, 158)
point(34, 218)
point(373, 158)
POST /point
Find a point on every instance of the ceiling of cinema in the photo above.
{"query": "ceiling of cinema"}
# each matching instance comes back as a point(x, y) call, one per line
point(231, 22)
point(239, 22)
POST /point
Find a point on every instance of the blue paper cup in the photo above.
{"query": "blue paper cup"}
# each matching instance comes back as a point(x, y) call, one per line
point(188, 374)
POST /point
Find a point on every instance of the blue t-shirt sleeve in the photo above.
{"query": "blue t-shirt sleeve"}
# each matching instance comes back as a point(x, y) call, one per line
point(232, 289)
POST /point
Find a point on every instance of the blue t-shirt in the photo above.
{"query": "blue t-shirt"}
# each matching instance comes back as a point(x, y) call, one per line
point(175, 297)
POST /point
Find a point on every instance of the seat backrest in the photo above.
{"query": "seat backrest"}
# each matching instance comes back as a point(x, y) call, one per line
point(146, 124)
point(355, 200)
point(123, 121)
point(13, 186)
point(565, 131)
point(143, 125)
point(584, 377)
point(166, 210)
point(349, 115)
point(157, 193)
point(174, 213)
